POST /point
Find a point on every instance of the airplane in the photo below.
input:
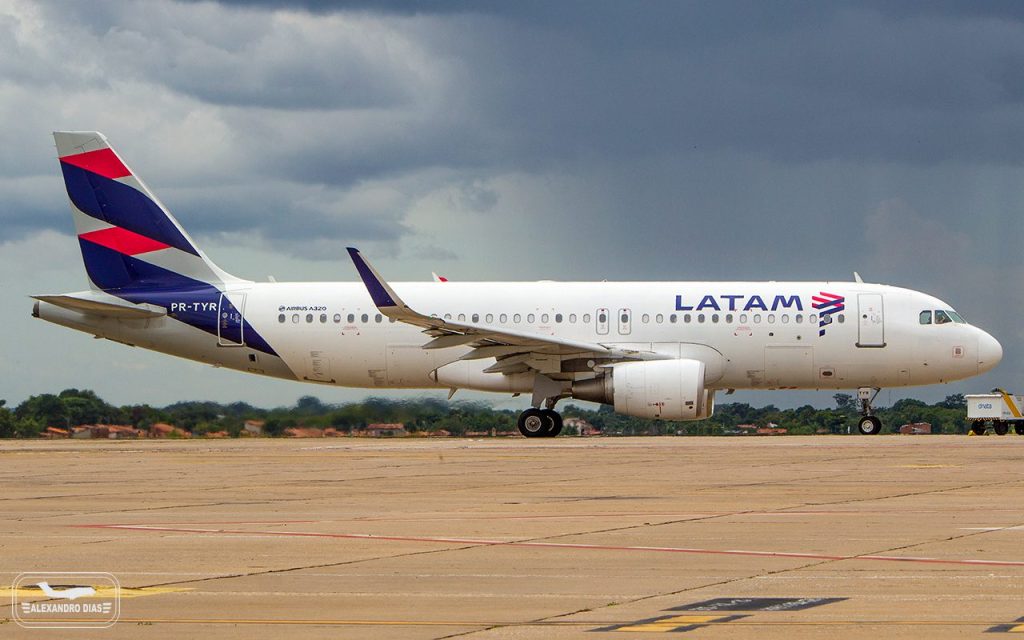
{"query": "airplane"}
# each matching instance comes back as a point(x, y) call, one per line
point(658, 350)
point(72, 593)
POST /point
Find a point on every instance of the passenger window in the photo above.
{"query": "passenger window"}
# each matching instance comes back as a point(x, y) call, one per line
point(447, 316)
point(942, 318)
point(645, 318)
point(743, 318)
point(785, 318)
point(771, 318)
point(799, 319)
point(280, 318)
point(323, 318)
point(757, 318)
point(309, 317)
point(544, 318)
point(337, 318)
point(586, 318)
point(700, 317)
point(687, 318)
point(714, 317)
point(602, 318)
point(728, 318)
point(503, 318)
point(366, 318)
point(572, 318)
point(351, 318)
point(462, 317)
point(295, 317)
point(813, 318)
point(476, 317)
point(517, 318)
point(673, 318)
point(659, 318)
point(378, 318)
point(842, 318)
point(529, 318)
point(925, 317)
point(558, 318)
point(489, 318)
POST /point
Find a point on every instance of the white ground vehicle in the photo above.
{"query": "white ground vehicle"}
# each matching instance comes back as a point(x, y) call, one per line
point(1000, 408)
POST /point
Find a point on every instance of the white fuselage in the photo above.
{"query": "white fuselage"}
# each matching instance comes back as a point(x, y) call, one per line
point(749, 335)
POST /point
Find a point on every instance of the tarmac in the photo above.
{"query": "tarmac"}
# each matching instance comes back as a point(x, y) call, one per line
point(768, 537)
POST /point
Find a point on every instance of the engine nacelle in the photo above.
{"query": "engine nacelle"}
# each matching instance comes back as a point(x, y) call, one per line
point(659, 389)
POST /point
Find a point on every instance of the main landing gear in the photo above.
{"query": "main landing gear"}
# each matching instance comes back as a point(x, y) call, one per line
point(869, 424)
point(540, 423)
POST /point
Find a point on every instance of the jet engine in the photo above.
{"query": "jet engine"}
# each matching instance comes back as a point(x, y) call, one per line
point(659, 389)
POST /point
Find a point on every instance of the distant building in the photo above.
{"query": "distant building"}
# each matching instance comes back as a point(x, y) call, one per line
point(164, 430)
point(916, 428)
point(123, 431)
point(386, 430)
point(772, 431)
point(253, 427)
point(580, 427)
point(54, 432)
point(303, 432)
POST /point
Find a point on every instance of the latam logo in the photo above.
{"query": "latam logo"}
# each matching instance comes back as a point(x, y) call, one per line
point(737, 302)
point(826, 305)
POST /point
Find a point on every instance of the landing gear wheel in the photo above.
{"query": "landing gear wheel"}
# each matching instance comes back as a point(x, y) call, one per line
point(1018, 429)
point(978, 428)
point(1001, 427)
point(554, 420)
point(869, 425)
point(533, 423)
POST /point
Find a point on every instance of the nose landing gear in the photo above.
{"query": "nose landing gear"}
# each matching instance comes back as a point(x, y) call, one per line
point(869, 423)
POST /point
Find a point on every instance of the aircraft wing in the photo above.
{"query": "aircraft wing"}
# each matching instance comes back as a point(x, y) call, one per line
point(514, 349)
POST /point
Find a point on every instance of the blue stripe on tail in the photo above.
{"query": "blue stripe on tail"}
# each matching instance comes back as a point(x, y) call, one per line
point(121, 206)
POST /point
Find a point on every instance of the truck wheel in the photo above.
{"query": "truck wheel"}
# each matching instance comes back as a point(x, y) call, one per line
point(1019, 429)
point(978, 428)
point(1001, 427)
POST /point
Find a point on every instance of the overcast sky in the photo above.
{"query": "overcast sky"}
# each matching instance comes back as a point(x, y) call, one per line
point(520, 141)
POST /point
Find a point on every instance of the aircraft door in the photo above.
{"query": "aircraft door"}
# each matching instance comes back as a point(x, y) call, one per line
point(601, 318)
point(625, 321)
point(870, 320)
point(230, 320)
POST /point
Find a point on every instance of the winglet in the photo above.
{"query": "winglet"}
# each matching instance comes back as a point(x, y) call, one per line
point(382, 294)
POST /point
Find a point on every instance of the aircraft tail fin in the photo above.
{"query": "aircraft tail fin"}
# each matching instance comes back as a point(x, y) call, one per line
point(129, 240)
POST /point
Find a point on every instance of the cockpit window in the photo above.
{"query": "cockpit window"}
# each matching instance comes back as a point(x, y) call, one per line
point(926, 317)
point(941, 317)
point(956, 317)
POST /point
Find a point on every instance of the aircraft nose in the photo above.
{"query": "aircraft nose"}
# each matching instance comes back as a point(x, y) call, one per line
point(990, 352)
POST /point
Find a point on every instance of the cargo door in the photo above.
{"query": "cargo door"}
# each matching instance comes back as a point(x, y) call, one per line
point(870, 321)
point(789, 366)
point(230, 320)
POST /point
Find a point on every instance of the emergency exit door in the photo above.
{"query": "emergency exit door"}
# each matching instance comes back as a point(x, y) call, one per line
point(870, 320)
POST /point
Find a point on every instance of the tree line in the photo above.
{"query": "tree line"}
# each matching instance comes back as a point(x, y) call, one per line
point(73, 407)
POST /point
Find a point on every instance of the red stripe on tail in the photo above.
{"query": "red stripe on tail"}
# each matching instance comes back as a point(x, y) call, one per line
point(123, 241)
point(102, 161)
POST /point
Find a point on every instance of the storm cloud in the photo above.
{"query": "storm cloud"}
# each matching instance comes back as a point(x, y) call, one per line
point(527, 140)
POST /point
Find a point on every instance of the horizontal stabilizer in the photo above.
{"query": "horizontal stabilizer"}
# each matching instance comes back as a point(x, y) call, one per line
point(84, 303)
